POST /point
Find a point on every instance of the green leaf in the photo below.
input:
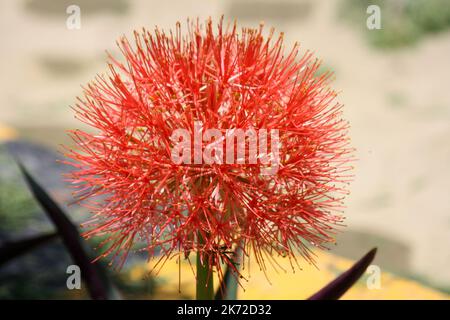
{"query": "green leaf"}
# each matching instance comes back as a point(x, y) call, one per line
point(336, 288)
point(14, 249)
point(97, 283)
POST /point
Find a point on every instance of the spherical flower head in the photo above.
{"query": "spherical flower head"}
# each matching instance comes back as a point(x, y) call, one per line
point(275, 190)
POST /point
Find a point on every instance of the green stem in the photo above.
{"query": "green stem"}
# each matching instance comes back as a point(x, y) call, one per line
point(205, 283)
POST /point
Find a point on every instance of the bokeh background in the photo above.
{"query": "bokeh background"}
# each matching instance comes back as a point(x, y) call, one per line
point(393, 82)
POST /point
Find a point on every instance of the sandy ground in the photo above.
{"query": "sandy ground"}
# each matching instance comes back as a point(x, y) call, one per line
point(398, 104)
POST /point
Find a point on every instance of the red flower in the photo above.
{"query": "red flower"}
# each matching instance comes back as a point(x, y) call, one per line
point(221, 79)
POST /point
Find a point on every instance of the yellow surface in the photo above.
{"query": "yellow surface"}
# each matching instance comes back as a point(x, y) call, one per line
point(7, 133)
point(288, 285)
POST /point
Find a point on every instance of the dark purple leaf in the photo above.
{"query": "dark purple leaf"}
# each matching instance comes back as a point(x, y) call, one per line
point(336, 288)
point(229, 286)
point(95, 283)
point(14, 249)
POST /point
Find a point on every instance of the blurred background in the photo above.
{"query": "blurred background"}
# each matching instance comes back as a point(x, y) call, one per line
point(393, 82)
